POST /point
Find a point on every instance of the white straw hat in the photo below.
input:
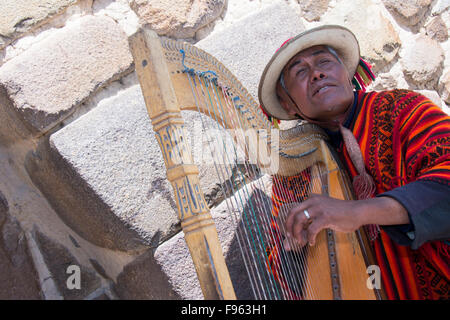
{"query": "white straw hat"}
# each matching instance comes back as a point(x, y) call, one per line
point(342, 40)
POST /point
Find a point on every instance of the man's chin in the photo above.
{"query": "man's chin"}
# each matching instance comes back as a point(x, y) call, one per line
point(332, 114)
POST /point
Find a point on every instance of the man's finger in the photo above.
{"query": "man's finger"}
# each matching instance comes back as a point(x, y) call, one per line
point(314, 228)
point(302, 238)
point(301, 222)
point(293, 244)
point(292, 217)
point(283, 214)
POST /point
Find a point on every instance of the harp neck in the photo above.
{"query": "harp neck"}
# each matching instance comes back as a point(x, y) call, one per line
point(164, 111)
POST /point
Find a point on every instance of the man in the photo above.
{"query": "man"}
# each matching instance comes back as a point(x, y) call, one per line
point(396, 147)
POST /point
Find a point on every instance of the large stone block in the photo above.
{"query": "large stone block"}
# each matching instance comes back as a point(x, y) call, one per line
point(437, 29)
point(440, 7)
point(179, 20)
point(422, 62)
point(379, 42)
point(105, 176)
point(246, 54)
point(48, 81)
point(408, 12)
point(21, 16)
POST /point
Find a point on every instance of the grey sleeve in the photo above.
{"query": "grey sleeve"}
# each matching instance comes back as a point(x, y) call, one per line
point(428, 206)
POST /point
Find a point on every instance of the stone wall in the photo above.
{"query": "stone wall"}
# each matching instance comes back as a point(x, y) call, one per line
point(82, 182)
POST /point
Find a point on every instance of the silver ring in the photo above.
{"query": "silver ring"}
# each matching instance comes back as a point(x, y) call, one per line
point(307, 214)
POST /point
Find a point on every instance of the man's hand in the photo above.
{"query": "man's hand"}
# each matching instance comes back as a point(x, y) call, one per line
point(338, 215)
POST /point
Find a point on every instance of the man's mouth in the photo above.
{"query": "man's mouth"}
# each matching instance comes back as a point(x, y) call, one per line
point(321, 89)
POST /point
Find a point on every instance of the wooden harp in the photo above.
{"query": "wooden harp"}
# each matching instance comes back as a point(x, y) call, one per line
point(169, 72)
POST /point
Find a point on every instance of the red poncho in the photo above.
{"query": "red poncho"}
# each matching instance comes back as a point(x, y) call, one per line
point(403, 137)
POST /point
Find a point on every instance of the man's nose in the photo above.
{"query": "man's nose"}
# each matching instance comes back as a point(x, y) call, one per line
point(317, 74)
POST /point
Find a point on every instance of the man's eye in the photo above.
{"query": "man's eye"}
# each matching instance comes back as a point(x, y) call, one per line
point(324, 61)
point(300, 71)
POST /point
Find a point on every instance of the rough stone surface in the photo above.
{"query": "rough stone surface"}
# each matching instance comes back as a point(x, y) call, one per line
point(175, 261)
point(174, 258)
point(422, 62)
point(378, 40)
point(440, 6)
point(246, 54)
point(17, 275)
point(45, 29)
point(437, 29)
point(58, 258)
point(312, 10)
point(408, 12)
point(143, 279)
point(179, 20)
point(21, 16)
point(49, 80)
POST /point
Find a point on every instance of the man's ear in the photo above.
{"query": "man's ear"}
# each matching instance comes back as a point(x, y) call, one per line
point(287, 106)
point(285, 101)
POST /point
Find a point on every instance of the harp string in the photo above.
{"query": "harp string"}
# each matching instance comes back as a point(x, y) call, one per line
point(265, 210)
point(263, 205)
point(266, 219)
point(254, 221)
point(252, 238)
point(300, 256)
point(301, 190)
point(246, 215)
point(296, 271)
point(257, 238)
point(266, 223)
point(221, 177)
point(258, 201)
point(290, 272)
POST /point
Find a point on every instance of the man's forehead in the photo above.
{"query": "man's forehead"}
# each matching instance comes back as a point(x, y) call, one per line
point(311, 50)
point(308, 52)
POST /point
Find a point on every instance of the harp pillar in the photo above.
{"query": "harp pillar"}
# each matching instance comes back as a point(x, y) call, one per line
point(164, 111)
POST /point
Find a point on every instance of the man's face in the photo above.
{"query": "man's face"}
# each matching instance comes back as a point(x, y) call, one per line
point(318, 83)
